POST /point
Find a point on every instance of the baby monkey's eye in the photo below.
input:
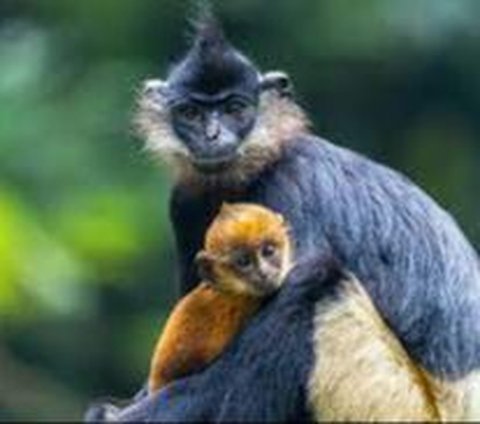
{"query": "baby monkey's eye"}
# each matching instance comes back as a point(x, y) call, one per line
point(268, 250)
point(243, 260)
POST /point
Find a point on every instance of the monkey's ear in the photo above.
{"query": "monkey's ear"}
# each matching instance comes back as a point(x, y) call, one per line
point(154, 87)
point(204, 262)
point(277, 80)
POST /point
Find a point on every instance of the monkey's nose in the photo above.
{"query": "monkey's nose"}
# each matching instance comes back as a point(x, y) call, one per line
point(212, 130)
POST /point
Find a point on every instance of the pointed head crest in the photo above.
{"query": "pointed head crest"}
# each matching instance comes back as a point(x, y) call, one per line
point(208, 31)
point(212, 64)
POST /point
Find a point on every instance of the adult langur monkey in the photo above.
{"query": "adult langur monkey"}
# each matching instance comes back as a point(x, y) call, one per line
point(234, 134)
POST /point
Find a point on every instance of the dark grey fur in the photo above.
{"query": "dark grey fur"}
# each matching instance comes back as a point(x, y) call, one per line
point(414, 261)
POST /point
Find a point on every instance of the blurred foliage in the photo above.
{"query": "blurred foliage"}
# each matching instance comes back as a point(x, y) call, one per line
point(86, 250)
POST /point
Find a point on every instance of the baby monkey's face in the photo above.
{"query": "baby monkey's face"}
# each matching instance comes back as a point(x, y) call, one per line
point(258, 270)
point(247, 251)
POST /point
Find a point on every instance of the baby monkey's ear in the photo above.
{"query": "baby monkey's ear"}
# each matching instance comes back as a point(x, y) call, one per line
point(204, 262)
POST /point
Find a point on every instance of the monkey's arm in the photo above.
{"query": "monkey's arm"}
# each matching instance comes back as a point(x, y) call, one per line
point(197, 331)
point(318, 351)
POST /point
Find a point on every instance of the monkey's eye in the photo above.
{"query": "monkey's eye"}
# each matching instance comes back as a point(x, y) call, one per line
point(242, 260)
point(235, 107)
point(189, 112)
point(268, 250)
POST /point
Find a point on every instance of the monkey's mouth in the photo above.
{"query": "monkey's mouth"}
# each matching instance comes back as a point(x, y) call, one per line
point(214, 164)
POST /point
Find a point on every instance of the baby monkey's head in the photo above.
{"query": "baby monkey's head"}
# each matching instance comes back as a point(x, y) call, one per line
point(247, 250)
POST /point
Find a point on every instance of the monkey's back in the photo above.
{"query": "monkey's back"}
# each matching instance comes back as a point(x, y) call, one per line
point(198, 330)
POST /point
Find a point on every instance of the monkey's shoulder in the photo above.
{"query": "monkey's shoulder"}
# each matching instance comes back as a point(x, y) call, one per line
point(308, 154)
point(315, 176)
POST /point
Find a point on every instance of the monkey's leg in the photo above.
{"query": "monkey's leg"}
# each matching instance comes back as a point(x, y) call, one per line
point(361, 372)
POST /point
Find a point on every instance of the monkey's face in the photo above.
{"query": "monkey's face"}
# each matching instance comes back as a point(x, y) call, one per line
point(253, 270)
point(214, 117)
point(258, 270)
point(225, 137)
point(210, 99)
point(213, 129)
point(247, 251)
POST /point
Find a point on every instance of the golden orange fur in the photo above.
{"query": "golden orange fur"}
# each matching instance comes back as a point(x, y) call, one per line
point(197, 331)
point(205, 320)
point(244, 224)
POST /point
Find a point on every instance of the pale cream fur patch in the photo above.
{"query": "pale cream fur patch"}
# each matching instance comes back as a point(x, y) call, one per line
point(361, 371)
point(279, 120)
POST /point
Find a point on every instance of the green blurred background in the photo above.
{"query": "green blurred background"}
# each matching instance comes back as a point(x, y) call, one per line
point(86, 251)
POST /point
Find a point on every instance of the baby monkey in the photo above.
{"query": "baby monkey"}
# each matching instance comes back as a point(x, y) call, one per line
point(246, 256)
